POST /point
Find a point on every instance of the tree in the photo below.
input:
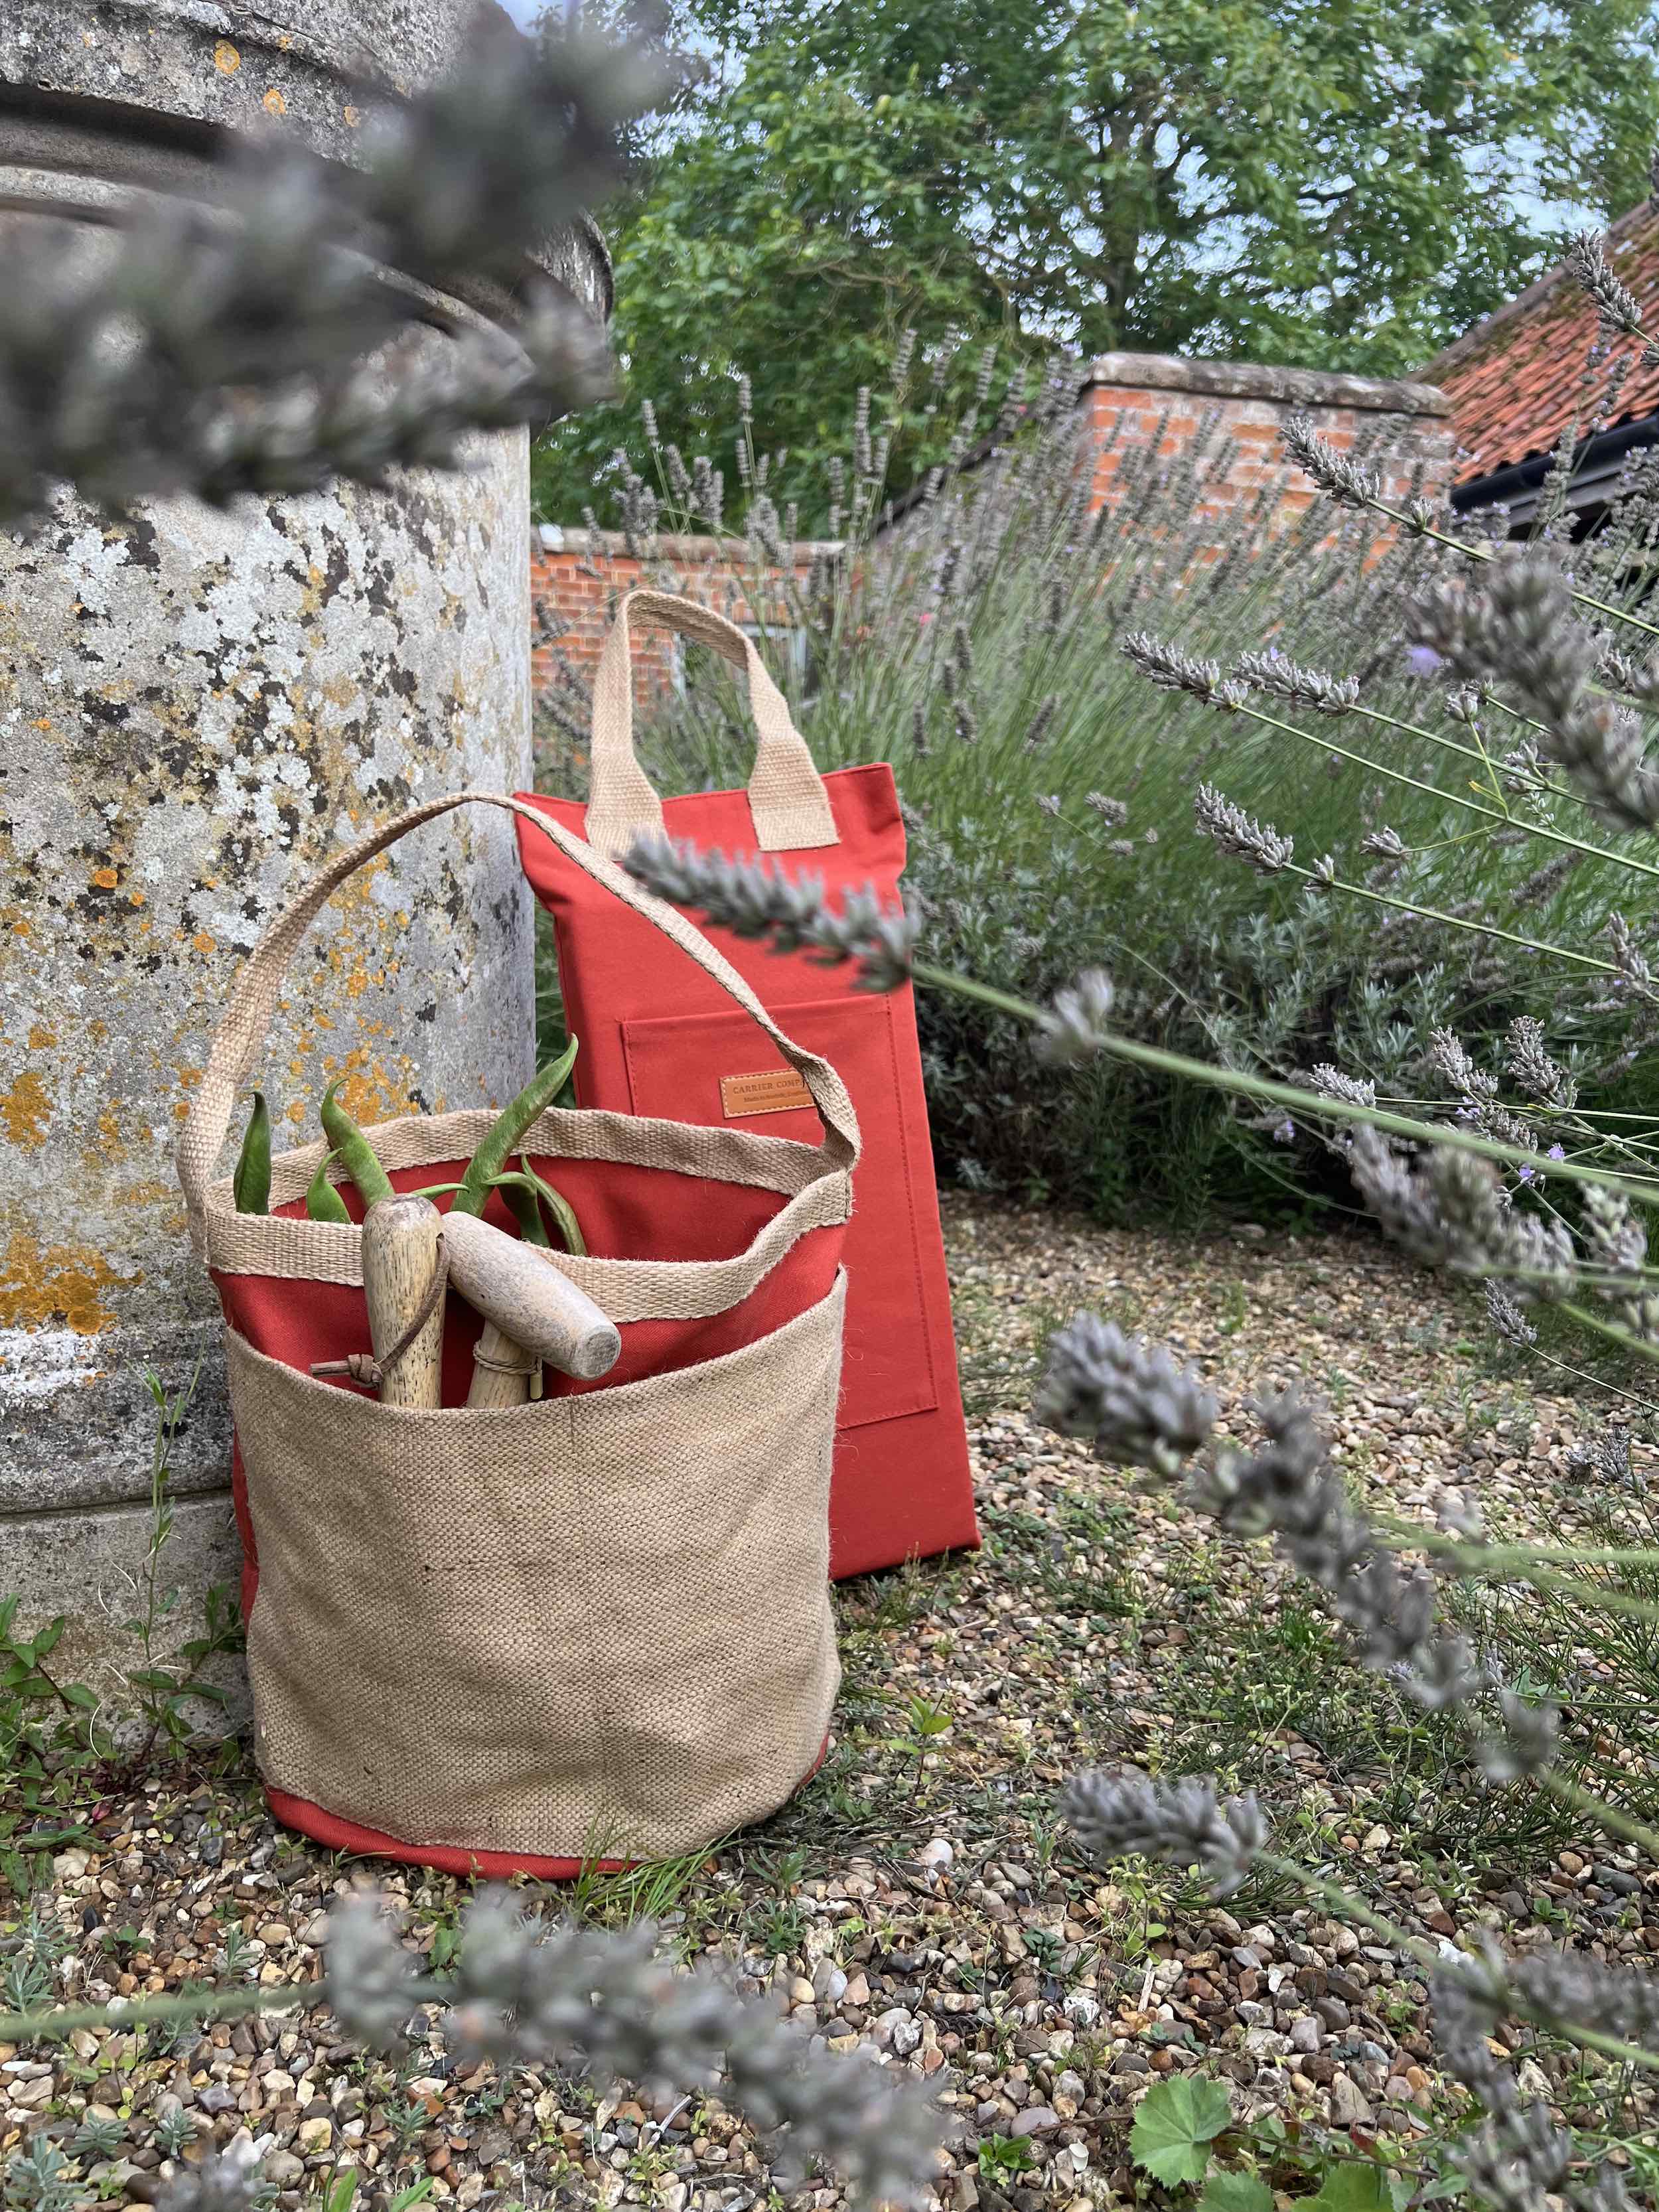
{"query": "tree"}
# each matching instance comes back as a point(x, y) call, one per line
point(1336, 184)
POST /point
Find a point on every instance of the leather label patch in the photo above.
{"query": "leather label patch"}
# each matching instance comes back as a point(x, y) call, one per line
point(773, 1091)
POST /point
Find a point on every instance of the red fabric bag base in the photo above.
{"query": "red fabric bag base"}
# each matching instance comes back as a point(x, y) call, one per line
point(337, 1835)
point(658, 1039)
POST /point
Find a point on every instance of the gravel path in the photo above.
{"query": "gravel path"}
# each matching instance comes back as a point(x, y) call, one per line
point(918, 1895)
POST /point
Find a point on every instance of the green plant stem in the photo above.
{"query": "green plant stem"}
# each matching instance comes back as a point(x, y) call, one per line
point(1496, 1557)
point(1486, 553)
point(1480, 1564)
point(1594, 1322)
point(197, 2000)
point(1353, 1906)
point(1452, 921)
point(1568, 1792)
point(1307, 1102)
point(1451, 798)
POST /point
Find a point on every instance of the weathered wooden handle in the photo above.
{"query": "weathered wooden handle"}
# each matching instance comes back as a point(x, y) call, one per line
point(503, 1371)
point(400, 1263)
point(520, 1290)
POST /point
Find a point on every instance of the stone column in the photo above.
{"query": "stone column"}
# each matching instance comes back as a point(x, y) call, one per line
point(195, 708)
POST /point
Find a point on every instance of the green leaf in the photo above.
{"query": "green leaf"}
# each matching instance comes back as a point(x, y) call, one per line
point(1351, 2187)
point(1175, 2125)
point(323, 1201)
point(1236, 2192)
point(251, 1185)
point(510, 1128)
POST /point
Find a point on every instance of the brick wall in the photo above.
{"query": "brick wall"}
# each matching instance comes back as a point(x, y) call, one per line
point(1238, 410)
point(1233, 412)
point(576, 577)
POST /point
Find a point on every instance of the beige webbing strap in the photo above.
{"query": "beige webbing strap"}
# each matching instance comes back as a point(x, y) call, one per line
point(241, 1033)
point(787, 796)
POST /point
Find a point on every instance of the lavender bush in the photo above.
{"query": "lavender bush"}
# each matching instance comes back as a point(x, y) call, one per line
point(1531, 1194)
point(991, 639)
point(1525, 644)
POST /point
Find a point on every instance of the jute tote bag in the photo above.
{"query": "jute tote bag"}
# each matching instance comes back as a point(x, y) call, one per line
point(594, 1626)
point(656, 1040)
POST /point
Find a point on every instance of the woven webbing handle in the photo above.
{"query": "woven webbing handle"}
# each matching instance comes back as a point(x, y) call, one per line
point(242, 1034)
point(787, 794)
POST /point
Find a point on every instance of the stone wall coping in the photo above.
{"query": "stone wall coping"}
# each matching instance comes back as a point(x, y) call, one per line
point(1249, 379)
point(552, 539)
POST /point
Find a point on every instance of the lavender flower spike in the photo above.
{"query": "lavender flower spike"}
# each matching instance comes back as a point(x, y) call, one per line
point(1304, 687)
point(1339, 477)
point(1181, 1823)
point(755, 900)
point(1239, 834)
point(1169, 668)
point(1075, 1025)
point(1131, 1400)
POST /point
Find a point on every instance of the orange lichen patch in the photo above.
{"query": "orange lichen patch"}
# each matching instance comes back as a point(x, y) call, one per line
point(105, 878)
point(64, 1283)
point(26, 1108)
point(354, 116)
point(142, 1194)
point(41, 1037)
point(137, 897)
point(296, 1111)
point(201, 943)
point(226, 59)
point(273, 103)
point(111, 1145)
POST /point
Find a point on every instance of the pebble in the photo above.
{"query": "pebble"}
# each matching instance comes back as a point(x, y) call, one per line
point(1348, 2107)
point(965, 1959)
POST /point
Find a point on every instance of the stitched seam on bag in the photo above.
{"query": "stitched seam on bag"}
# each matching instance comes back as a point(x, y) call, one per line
point(915, 1236)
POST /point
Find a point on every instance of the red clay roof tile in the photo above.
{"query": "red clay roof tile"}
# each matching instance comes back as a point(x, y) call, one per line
point(1518, 380)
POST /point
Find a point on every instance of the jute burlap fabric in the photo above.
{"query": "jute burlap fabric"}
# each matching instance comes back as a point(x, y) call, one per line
point(786, 796)
point(600, 1623)
point(595, 1626)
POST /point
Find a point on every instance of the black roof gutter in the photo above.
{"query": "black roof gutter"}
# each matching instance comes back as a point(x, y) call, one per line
point(1594, 466)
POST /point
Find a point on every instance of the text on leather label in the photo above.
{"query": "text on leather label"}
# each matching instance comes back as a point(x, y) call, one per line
point(773, 1091)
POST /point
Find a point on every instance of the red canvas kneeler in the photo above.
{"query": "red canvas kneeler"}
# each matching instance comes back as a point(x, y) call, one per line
point(657, 1039)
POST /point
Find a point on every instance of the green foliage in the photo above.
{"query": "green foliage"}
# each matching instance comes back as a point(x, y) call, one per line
point(167, 1685)
point(58, 1742)
point(1049, 790)
point(1236, 2192)
point(1344, 186)
point(1352, 2187)
point(1176, 2123)
point(1004, 2158)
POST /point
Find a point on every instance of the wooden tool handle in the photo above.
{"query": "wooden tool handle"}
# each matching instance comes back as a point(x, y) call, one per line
point(502, 1371)
point(400, 1265)
point(523, 1293)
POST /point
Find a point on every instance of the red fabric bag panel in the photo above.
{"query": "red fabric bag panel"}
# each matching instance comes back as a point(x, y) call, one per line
point(658, 1039)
